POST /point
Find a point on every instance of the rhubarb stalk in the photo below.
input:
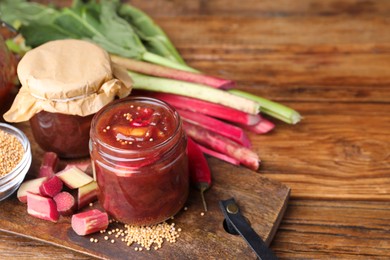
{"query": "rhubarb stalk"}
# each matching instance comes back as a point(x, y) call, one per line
point(223, 145)
point(204, 107)
point(262, 127)
point(195, 91)
point(230, 131)
point(271, 108)
point(218, 155)
point(166, 72)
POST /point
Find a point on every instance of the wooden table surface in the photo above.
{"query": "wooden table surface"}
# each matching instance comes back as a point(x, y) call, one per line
point(328, 59)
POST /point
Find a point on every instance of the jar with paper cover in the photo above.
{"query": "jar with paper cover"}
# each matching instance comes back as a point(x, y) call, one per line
point(64, 83)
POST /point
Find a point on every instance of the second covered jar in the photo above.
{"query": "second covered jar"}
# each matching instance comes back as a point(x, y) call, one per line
point(64, 83)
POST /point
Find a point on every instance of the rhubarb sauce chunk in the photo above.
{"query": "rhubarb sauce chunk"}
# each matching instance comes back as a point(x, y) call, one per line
point(138, 149)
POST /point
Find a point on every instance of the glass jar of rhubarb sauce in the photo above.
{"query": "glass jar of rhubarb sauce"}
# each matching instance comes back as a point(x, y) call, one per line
point(138, 150)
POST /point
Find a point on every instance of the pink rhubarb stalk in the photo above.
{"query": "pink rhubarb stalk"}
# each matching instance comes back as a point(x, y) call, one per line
point(89, 222)
point(223, 145)
point(170, 73)
point(218, 155)
point(204, 107)
point(262, 127)
point(42, 207)
point(230, 131)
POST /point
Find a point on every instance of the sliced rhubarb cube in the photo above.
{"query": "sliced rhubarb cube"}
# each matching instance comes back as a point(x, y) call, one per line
point(84, 166)
point(42, 207)
point(50, 159)
point(74, 178)
point(48, 165)
point(51, 187)
point(46, 171)
point(31, 186)
point(87, 194)
point(89, 222)
point(66, 203)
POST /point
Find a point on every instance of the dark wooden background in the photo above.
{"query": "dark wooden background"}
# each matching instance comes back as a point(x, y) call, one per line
point(330, 60)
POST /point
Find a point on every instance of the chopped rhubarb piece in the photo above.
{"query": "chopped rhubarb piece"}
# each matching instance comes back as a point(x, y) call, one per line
point(51, 187)
point(74, 178)
point(42, 207)
point(230, 131)
point(87, 194)
point(89, 222)
point(262, 127)
point(66, 203)
point(50, 159)
point(46, 171)
point(204, 107)
point(48, 165)
point(31, 186)
point(218, 155)
point(84, 166)
point(223, 145)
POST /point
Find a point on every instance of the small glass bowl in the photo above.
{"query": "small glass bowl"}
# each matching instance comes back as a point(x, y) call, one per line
point(10, 182)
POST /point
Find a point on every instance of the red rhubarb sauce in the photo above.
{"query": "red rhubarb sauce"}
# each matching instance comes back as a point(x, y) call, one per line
point(138, 149)
point(66, 135)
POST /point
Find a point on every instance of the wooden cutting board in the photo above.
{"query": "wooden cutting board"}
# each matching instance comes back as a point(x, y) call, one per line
point(261, 200)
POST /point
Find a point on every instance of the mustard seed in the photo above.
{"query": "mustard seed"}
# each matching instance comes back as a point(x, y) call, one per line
point(11, 152)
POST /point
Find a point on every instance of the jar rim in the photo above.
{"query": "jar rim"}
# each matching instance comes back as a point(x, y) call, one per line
point(137, 152)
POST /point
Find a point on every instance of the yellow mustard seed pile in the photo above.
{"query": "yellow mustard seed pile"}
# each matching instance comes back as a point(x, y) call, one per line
point(142, 237)
point(11, 152)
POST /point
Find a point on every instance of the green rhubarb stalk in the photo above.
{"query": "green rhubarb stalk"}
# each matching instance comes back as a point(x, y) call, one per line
point(271, 108)
point(193, 90)
point(150, 32)
point(165, 72)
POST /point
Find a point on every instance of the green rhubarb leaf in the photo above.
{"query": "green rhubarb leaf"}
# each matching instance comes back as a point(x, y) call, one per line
point(152, 35)
point(23, 12)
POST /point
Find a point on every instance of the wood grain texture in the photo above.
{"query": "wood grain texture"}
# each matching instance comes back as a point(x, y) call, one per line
point(328, 59)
